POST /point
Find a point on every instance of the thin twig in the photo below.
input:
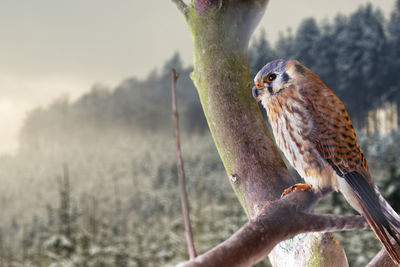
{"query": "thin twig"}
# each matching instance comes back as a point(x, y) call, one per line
point(181, 173)
point(181, 6)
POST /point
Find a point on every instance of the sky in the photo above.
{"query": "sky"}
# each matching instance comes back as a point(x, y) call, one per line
point(53, 48)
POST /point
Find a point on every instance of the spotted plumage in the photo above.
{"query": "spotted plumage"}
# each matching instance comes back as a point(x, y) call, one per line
point(314, 131)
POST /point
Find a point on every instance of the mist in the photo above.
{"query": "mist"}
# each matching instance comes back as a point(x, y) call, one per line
point(92, 179)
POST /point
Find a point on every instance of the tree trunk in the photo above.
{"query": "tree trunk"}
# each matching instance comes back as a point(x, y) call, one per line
point(221, 30)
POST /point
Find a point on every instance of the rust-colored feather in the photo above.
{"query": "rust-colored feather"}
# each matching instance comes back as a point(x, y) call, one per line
point(333, 133)
point(314, 131)
point(336, 141)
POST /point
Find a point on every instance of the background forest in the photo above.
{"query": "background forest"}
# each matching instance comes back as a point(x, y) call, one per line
point(98, 174)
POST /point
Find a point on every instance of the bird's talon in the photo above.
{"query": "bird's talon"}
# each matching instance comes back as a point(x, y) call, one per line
point(297, 187)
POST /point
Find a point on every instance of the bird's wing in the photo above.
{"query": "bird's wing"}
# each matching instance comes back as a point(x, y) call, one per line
point(336, 142)
point(333, 131)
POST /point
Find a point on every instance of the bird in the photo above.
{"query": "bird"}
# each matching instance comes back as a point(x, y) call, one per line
point(314, 131)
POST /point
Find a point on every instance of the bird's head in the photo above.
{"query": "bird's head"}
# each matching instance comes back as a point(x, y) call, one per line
point(274, 77)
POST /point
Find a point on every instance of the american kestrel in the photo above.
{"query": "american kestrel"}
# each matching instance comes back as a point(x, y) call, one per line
point(315, 133)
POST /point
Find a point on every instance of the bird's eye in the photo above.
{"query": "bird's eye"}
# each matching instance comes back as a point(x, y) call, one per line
point(270, 77)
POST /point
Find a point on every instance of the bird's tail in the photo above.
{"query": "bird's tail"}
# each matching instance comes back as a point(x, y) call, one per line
point(391, 215)
point(383, 220)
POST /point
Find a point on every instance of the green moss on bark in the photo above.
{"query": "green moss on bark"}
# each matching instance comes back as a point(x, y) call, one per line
point(221, 75)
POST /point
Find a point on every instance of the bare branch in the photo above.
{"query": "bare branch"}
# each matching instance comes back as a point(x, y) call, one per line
point(332, 222)
point(203, 7)
point(181, 6)
point(250, 157)
point(277, 222)
point(382, 259)
point(181, 172)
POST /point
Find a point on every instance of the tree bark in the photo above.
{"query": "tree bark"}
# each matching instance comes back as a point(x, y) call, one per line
point(285, 218)
point(221, 30)
point(382, 259)
point(221, 75)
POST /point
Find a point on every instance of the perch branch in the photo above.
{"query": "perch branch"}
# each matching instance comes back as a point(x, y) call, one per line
point(332, 223)
point(181, 173)
point(382, 259)
point(221, 35)
point(276, 222)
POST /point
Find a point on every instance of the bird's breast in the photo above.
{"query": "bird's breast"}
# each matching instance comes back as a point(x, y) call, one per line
point(292, 126)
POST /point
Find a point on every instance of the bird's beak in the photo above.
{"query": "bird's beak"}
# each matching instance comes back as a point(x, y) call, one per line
point(256, 92)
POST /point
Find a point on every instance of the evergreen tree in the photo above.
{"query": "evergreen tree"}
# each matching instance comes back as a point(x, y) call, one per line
point(260, 53)
point(306, 43)
point(327, 63)
point(360, 46)
point(284, 47)
point(64, 211)
point(141, 225)
point(50, 217)
point(393, 56)
point(174, 62)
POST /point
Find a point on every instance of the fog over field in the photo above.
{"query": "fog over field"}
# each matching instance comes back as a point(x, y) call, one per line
point(52, 48)
point(87, 161)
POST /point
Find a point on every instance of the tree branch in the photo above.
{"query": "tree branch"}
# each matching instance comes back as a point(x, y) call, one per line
point(276, 222)
point(332, 223)
point(183, 8)
point(221, 31)
point(181, 172)
point(205, 6)
point(382, 259)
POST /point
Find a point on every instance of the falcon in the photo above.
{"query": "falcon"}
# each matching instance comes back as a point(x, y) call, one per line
point(314, 131)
